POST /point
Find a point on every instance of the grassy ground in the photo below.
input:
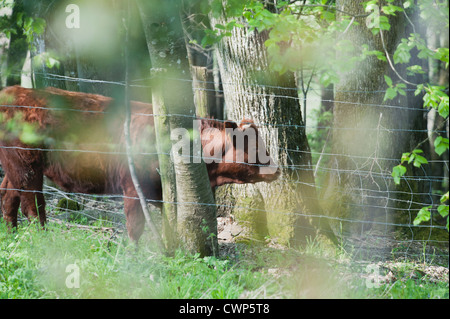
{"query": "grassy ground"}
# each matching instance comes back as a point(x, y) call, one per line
point(90, 263)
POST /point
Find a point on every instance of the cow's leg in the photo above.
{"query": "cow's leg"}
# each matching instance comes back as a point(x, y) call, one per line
point(25, 172)
point(151, 188)
point(133, 210)
point(135, 216)
point(33, 202)
point(10, 201)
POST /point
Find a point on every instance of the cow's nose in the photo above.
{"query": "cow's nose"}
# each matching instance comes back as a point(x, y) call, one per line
point(277, 173)
point(274, 176)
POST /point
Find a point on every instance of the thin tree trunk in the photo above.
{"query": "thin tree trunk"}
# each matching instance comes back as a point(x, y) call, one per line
point(196, 211)
point(201, 63)
point(128, 142)
point(200, 77)
point(166, 168)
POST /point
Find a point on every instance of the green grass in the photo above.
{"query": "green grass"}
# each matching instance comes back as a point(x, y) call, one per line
point(413, 289)
point(37, 264)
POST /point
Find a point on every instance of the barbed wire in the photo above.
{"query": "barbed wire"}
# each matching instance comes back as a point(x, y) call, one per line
point(358, 248)
point(355, 172)
point(383, 199)
point(306, 215)
point(270, 125)
point(51, 76)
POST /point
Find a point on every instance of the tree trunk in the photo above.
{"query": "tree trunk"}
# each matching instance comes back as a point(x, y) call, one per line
point(202, 63)
point(369, 135)
point(196, 212)
point(285, 209)
point(128, 142)
point(200, 80)
point(18, 49)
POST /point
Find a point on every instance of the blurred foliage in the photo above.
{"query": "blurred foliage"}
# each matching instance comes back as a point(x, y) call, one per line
point(308, 35)
point(302, 35)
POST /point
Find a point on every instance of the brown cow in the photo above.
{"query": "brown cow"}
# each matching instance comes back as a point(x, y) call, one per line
point(76, 140)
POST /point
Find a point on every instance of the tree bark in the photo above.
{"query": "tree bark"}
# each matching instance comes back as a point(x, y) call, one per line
point(200, 77)
point(202, 63)
point(369, 135)
point(286, 209)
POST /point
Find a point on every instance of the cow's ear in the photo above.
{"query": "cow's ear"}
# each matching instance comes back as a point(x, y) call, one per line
point(230, 124)
point(246, 123)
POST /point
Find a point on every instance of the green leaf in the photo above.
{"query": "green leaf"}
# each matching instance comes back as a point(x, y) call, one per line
point(397, 172)
point(384, 23)
point(443, 210)
point(419, 160)
point(443, 108)
point(444, 198)
point(216, 7)
point(419, 90)
point(329, 16)
point(51, 63)
point(219, 26)
point(19, 19)
point(441, 145)
point(39, 26)
point(388, 80)
point(442, 54)
point(390, 94)
point(405, 157)
point(401, 91)
point(375, 31)
point(211, 37)
point(407, 3)
point(281, 4)
point(415, 69)
point(391, 9)
point(371, 6)
point(28, 22)
point(402, 54)
point(379, 54)
point(423, 215)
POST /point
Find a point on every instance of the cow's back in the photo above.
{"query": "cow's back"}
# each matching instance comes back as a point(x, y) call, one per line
point(82, 135)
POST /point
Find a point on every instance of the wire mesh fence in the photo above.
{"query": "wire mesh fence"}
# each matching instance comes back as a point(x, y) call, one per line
point(387, 237)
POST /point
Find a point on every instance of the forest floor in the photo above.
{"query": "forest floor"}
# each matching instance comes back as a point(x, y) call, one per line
point(371, 267)
point(379, 258)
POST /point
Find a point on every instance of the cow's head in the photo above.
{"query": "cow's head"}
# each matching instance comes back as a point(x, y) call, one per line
point(236, 154)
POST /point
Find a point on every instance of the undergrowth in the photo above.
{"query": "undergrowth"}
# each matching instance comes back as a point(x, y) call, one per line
point(93, 263)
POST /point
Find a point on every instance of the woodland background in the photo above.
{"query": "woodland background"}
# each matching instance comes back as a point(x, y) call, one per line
point(356, 90)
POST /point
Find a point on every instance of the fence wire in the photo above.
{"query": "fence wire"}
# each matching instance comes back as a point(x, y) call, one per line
point(368, 244)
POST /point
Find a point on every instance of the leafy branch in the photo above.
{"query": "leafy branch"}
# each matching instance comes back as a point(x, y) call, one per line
point(434, 96)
